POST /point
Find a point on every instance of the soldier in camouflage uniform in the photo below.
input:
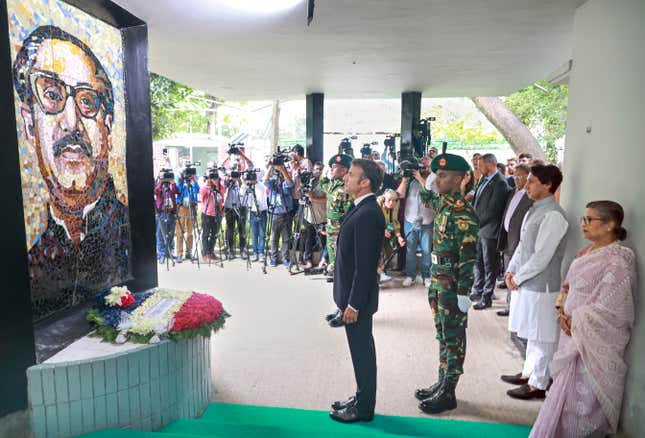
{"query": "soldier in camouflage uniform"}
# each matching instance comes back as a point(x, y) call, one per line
point(338, 202)
point(453, 258)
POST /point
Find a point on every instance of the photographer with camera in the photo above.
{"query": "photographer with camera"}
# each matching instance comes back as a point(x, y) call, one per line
point(235, 213)
point(187, 198)
point(165, 195)
point(314, 214)
point(236, 158)
point(278, 180)
point(366, 152)
point(211, 197)
point(255, 200)
point(345, 147)
point(418, 219)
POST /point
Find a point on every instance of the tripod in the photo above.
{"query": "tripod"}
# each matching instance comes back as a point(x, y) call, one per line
point(237, 220)
point(163, 223)
point(251, 201)
point(304, 206)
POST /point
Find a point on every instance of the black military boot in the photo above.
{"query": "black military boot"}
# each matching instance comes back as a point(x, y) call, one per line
point(443, 400)
point(424, 393)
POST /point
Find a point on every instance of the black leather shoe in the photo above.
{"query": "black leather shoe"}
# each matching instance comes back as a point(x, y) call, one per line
point(350, 415)
point(503, 312)
point(501, 285)
point(525, 392)
point(425, 393)
point(331, 316)
point(515, 379)
point(475, 297)
point(337, 321)
point(444, 400)
point(484, 303)
point(339, 405)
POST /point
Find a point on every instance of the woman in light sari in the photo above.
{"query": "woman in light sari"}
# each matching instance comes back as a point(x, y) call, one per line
point(596, 315)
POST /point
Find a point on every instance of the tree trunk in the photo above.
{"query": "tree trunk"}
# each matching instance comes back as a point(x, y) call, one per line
point(510, 126)
point(212, 120)
point(275, 126)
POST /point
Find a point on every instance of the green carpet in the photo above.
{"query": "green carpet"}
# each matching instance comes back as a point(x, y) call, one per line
point(237, 421)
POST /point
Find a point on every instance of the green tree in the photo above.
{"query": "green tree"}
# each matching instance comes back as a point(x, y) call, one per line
point(543, 108)
point(176, 108)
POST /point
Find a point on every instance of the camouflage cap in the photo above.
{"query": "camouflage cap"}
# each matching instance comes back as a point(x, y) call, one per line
point(342, 159)
point(449, 162)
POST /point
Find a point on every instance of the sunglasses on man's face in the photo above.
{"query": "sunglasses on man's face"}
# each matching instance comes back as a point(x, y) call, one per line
point(52, 94)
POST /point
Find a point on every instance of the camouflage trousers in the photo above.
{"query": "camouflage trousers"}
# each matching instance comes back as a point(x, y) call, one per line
point(451, 324)
point(332, 237)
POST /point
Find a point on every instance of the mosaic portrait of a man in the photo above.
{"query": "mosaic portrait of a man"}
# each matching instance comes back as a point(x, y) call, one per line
point(77, 222)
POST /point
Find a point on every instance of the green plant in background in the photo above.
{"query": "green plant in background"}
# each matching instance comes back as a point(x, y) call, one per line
point(176, 108)
point(543, 108)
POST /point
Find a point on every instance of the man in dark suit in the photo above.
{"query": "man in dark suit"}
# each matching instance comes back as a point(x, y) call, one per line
point(516, 207)
point(356, 286)
point(489, 202)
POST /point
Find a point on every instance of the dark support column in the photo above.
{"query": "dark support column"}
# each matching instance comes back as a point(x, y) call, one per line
point(315, 121)
point(410, 116)
point(17, 349)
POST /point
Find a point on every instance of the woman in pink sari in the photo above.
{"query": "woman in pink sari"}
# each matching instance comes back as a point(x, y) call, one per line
point(596, 322)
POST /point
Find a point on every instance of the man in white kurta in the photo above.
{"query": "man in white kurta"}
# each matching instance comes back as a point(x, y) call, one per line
point(533, 276)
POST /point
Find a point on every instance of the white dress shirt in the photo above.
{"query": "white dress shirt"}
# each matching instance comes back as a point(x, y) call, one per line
point(515, 201)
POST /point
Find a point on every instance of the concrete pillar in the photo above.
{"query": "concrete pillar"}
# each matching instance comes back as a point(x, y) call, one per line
point(604, 153)
point(315, 123)
point(410, 116)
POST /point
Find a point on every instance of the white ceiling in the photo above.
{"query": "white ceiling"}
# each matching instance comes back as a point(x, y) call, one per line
point(359, 48)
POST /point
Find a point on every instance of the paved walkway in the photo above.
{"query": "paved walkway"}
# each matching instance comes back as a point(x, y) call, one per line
point(276, 349)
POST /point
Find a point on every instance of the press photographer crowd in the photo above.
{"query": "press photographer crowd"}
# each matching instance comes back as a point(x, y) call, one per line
point(462, 230)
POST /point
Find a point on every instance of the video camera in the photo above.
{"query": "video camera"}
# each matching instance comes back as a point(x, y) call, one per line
point(251, 175)
point(366, 149)
point(409, 165)
point(306, 181)
point(344, 146)
point(279, 157)
point(212, 173)
point(234, 148)
point(166, 175)
point(190, 170)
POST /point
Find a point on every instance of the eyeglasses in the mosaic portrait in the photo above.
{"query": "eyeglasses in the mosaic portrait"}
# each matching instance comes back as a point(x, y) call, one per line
point(52, 94)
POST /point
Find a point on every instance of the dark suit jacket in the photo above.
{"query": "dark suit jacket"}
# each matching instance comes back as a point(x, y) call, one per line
point(489, 205)
point(357, 255)
point(507, 242)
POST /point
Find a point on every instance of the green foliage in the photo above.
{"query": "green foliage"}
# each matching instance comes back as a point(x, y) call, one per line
point(176, 108)
point(543, 108)
point(462, 128)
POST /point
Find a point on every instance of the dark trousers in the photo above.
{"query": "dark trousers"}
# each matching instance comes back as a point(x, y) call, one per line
point(313, 241)
point(235, 219)
point(487, 266)
point(281, 227)
point(363, 351)
point(210, 228)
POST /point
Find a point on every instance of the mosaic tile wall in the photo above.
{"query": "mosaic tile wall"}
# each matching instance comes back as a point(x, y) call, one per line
point(143, 389)
point(70, 114)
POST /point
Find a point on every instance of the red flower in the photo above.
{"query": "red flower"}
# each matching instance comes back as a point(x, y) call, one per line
point(126, 300)
point(198, 310)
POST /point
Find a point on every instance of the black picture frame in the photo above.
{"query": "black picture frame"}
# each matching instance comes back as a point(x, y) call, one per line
point(18, 335)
